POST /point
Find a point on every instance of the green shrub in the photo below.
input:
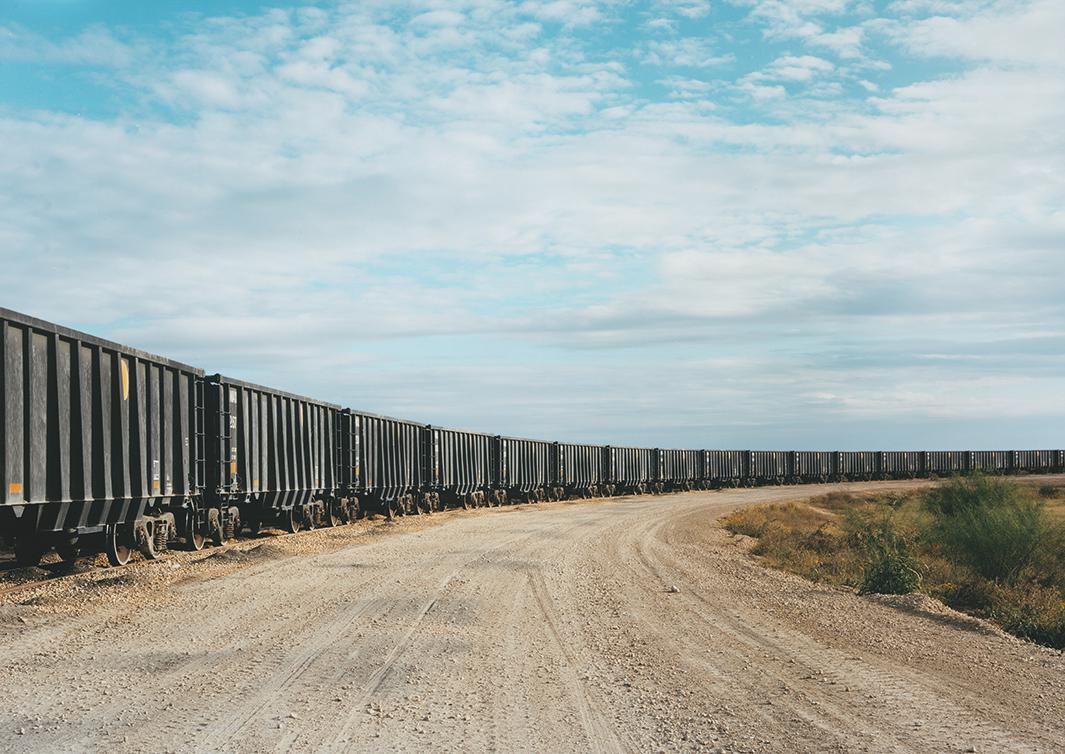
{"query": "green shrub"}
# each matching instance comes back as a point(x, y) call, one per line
point(1033, 613)
point(1000, 542)
point(891, 573)
point(890, 566)
point(1048, 490)
point(964, 493)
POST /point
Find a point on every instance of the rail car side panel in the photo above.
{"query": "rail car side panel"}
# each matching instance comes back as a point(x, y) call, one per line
point(94, 433)
point(460, 461)
point(578, 466)
point(525, 465)
point(268, 448)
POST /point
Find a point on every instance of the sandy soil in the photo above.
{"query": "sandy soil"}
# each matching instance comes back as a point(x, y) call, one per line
point(633, 624)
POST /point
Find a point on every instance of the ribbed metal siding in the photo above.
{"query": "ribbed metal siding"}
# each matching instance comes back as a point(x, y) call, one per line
point(525, 465)
point(900, 462)
point(94, 432)
point(579, 465)
point(989, 460)
point(629, 466)
point(768, 464)
point(680, 465)
point(268, 446)
point(1035, 460)
point(461, 461)
point(726, 464)
point(392, 456)
point(944, 461)
point(856, 463)
point(811, 464)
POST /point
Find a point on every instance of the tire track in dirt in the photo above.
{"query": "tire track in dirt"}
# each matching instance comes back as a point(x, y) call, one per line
point(536, 628)
point(598, 731)
point(898, 694)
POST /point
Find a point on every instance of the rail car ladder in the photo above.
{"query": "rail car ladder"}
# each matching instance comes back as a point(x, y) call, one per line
point(200, 438)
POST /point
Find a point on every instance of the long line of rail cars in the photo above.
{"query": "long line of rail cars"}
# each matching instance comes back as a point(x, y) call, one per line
point(106, 447)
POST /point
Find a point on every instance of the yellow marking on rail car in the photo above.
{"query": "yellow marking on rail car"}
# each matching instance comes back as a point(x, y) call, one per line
point(15, 488)
point(232, 467)
point(123, 372)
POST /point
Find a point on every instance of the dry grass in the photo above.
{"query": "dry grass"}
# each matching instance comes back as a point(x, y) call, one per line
point(838, 538)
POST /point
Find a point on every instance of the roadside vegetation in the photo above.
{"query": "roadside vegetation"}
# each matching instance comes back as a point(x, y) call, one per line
point(993, 547)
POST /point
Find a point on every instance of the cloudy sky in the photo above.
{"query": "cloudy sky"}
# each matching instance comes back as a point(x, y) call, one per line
point(738, 223)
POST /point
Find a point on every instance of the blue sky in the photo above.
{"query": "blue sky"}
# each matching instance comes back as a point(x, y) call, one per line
point(744, 223)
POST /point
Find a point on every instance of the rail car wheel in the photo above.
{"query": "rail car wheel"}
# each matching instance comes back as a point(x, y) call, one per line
point(292, 520)
point(215, 527)
point(118, 546)
point(28, 552)
point(195, 539)
point(146, 541)
point(330, 514)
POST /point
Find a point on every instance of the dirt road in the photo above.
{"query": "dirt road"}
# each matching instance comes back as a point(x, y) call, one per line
point(634, 624)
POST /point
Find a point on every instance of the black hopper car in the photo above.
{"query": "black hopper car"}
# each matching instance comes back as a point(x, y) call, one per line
point(106, 447)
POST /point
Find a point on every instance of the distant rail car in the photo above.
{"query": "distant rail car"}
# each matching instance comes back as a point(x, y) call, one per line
point(108, 448)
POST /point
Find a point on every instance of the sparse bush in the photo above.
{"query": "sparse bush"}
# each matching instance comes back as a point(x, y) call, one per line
point(1048, 490)
point(891, 573)
point(1031, 612)
point(750, 522)
point(984, 545)
point(991, 525)
point(964, 493)
point(890, 564)
point(753, 522)
point(835, 500)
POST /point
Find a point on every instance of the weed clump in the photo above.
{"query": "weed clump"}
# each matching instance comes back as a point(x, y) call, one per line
point(890, 565)
point(985, 545)
point(989, 524)
point(965, 493)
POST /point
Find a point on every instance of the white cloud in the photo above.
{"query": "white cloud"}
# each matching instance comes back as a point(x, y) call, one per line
point(797, 68)
point(688, 52)
point(691, 9)
point(1015, 32)
point(513, 215)
point(95, 46)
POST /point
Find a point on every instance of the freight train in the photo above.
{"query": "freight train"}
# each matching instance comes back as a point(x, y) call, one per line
point(106, 447)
